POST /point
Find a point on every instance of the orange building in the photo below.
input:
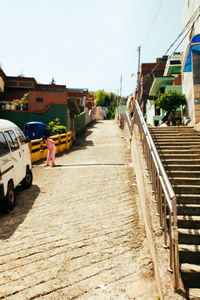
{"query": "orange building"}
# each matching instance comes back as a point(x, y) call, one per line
point(40, 96)
point(45, 95)
point(90, 101)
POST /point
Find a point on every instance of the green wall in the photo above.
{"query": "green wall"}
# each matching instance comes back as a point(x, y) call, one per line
point(79, 123)
point(20, 117)
point(122, 109)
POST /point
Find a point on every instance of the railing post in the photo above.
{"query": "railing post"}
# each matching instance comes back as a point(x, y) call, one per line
point(161, 205)
point(170, 246)
point(165, 223)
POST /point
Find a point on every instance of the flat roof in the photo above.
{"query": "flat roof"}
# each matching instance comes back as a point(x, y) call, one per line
point(158, 83)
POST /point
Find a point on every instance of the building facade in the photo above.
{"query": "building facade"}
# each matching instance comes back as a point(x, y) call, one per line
point(171, 81)
point(191, 58)
point(148, 71)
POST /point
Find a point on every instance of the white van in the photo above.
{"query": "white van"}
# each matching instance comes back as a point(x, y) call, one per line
point(15, 162)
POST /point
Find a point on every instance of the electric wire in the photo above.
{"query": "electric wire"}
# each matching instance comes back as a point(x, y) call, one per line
point(150, 74)
point(153, 22)
point(145, 77)
point(186, 35)
point(185, 27)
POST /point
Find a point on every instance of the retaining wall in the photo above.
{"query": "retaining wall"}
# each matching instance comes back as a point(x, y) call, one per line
point(39, 150)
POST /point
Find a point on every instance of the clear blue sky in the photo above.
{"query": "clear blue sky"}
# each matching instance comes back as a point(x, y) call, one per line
point(86, 43)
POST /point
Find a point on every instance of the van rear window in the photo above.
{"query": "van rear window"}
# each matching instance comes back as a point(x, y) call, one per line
point(4, 149)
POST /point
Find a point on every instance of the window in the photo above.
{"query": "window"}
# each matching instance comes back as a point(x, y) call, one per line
point(20, 136)
point(162, 90)
point(12, 83)
point(196, 67)
point(25, 84)
point(12, 140)
point(4, 149)
point(39, 99)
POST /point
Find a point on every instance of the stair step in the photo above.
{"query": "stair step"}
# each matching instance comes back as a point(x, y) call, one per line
point(164, 156)
point(178, 143)
point(174, 134)
point(179, 151)
point(188, 209)
point(178, 139)
point(189, 236)
point(179, 161)
point(178, 167)
point(186, 189)
point(188, 198)
point(192, 222)
point(171, 128)
point(183, 174)
point(177, 147)
point(184, 180)
point(189, 253)
point(191, 275)
point(194, 294)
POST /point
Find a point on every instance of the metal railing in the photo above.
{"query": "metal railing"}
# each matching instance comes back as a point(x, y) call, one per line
point(161, 187)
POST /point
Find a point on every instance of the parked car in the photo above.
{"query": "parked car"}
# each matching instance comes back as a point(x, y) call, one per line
point(15, 162)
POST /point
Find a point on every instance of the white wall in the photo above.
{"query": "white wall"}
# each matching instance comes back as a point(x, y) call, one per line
point(188, 9)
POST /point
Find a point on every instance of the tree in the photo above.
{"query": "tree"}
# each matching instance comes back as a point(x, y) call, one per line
point(100, 97)
point(108, 100)
point(52, 81)
point(170, 101)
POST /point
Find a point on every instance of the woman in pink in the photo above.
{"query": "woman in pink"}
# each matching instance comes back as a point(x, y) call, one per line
point(51, 151)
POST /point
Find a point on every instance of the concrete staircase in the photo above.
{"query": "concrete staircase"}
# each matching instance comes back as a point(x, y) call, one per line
point(179, 150)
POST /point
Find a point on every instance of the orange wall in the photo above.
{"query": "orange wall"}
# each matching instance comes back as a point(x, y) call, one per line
point(178, 80)
point(48, 99)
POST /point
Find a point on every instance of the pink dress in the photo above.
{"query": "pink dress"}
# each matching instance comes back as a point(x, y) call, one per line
point(52, 151)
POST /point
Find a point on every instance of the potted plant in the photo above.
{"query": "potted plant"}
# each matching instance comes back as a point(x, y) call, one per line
point(24, 101)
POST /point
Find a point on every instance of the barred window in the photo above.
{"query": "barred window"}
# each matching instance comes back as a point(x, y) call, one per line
point(39, 99)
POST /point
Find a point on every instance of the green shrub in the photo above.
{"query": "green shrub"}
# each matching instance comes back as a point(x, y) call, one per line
point(54, 127)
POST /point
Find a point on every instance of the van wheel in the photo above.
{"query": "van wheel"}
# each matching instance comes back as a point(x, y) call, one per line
point(9, 201)
point(27, 181)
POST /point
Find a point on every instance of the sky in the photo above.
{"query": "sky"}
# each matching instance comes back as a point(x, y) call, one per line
point(86, 43)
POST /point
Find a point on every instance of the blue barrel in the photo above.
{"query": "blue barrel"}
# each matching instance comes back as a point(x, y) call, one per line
point(35, 130)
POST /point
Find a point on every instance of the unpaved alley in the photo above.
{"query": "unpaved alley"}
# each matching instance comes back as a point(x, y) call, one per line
point(76, 233)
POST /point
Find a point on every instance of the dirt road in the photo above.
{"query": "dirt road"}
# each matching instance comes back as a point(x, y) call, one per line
point(76, 233)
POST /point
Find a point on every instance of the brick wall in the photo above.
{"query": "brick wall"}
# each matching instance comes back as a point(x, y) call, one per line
point(197, 103)
point(39, 100)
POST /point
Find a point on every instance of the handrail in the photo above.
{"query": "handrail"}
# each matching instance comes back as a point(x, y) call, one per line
point(161, 186)
point(153, 148)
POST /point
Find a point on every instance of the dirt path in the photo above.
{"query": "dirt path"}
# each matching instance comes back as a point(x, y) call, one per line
point(76, 234)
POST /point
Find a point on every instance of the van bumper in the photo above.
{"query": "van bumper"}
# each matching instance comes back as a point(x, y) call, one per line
point(1, 191)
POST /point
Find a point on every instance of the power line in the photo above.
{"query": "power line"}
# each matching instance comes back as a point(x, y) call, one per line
point(153, 21)
point(185, 35)
point(184, 29)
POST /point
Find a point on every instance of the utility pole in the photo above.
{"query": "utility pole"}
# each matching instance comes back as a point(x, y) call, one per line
point(138, 73)
point(120, 101)
point(120, 88)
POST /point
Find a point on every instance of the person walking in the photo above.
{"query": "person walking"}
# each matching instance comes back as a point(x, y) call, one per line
point(51, 151)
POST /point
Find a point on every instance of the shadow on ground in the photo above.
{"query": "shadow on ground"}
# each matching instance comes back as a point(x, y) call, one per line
point(80, 143)
point(24, 202)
